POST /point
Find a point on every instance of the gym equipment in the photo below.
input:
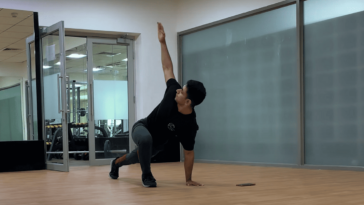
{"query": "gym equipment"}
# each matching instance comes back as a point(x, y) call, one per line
point(111, 136)
point(78, 146)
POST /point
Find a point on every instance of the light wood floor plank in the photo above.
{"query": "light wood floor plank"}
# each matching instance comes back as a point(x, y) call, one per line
point(275, 186)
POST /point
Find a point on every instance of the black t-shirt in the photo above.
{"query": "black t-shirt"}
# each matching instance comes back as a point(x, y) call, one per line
point(166, 122)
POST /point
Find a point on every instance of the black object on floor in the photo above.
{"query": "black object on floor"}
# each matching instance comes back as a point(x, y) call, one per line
point(246, 184)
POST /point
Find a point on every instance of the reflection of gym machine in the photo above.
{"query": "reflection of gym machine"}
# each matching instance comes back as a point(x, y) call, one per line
point(108, 143)
point(112, 130)
point(78, 146)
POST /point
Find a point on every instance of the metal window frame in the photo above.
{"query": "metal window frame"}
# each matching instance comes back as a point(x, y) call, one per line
point(301, 86)
point(29, 103)
point(300, 163)
point(11, 86)
point(35, 37)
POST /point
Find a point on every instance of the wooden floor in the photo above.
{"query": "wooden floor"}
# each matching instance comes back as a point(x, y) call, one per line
point(92, 185)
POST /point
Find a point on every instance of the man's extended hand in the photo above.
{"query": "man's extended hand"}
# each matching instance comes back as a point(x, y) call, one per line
point(192, 183)
point(161, 34)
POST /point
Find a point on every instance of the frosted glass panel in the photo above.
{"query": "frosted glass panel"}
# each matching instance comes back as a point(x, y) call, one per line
point(10, 114)
point(334, 82)
point(51, 101)
point(249, 69)
point(111, 99)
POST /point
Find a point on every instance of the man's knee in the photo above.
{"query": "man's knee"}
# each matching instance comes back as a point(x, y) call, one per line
point(145, 140)
point(141, 136)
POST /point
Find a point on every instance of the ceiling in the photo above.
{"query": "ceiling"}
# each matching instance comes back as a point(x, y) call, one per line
point(15, 27)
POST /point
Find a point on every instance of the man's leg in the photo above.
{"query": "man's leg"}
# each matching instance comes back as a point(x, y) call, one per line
point(143, 154)
point(127, 159)
point(130, 158)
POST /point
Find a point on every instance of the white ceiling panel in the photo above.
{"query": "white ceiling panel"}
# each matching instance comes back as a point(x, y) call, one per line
point(9, 40)
point(14, 60)
point(10, 53)
point(21, 29)
point(2, 58)
point(8, 34)
point(9, 20)
point(19, 44)
point(2, 45)
point(13, 32)
point(20, 14)
point(17, 58)
point(27, 22)
point(4, 27)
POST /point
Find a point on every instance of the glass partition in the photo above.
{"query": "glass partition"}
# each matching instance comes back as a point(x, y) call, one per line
point(249, 67)
point(334, 82)
point(11, 114)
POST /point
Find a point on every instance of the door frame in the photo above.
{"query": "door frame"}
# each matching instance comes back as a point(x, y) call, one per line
point(29, 103)
point(63, 108)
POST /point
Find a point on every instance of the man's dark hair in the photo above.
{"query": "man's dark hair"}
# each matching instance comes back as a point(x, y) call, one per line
point(196, 92)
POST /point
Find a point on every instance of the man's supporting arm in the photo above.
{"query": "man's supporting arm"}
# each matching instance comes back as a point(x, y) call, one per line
point(166, 58)
point(189, 160)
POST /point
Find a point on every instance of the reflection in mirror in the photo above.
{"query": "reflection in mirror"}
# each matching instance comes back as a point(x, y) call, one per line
point(15, 27)
point(110, 98)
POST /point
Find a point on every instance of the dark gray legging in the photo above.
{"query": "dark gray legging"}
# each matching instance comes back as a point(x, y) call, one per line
point(144, 141)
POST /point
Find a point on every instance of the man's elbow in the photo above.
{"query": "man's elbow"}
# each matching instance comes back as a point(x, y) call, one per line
point(168, 68)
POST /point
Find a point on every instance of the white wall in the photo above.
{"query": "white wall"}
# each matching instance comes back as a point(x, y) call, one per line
point(13, 69)
point(9, 81)
point(139, 16)
point(12, 73)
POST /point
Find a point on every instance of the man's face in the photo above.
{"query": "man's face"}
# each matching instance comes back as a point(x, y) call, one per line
point(181, 95)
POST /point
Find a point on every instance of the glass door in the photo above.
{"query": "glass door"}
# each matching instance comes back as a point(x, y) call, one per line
point(55, 97)
point(111, 98)
point(76, 68)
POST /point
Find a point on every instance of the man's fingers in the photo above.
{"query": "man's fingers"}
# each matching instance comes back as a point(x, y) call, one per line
point(160, 26)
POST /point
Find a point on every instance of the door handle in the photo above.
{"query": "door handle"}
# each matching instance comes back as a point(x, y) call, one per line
point(68, 83)
point(58, 87)
point(91, 102)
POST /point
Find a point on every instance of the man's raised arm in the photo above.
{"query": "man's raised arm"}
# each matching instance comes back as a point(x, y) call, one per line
point(166, 59)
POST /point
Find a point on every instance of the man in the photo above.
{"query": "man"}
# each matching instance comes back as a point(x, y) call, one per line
point(173, 117)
